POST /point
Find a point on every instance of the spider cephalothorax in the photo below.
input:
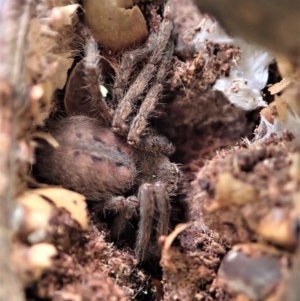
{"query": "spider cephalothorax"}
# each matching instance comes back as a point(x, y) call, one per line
point(105, 147)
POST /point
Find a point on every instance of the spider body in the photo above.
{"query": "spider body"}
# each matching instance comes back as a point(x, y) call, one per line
point(107, 151)
point(94, 161)
point(91, 159)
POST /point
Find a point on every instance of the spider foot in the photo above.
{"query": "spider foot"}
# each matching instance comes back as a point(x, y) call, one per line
point(156, 56)
point(126, 209)
point(154, 214)
point(147, 107)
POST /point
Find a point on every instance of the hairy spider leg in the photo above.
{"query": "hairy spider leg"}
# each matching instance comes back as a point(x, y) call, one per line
point(126, 209)
point(157, 144)
point(125, 107)
point(154, 211)
point(126, 68)
point(139, 85)
point(88, 98)
point(146, 198)
point(93, 78)
point(139, 122)
point(163, 207)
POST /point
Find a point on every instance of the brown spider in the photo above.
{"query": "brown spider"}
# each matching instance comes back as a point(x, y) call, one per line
point(103, 157)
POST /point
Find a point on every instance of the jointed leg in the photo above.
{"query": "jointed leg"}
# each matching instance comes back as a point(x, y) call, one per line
point(163, 35)
point(87, 99)
point(139, 123)
point(163, 208)
point(154, 216)
point(126, 68)
point(126, 209)
point(125, 107)
point(159, 42)
point(147, 209)
point(92, 78)
point(156, 144)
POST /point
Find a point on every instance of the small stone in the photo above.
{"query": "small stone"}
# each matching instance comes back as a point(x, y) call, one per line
point(254, 276)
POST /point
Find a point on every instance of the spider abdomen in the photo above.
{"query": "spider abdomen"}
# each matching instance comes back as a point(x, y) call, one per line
point(90, 159)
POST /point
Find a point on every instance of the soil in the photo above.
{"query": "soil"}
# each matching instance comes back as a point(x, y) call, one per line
point(235, 220)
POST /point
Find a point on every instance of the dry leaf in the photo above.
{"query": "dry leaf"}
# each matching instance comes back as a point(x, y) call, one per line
point(114, 25)
point(39, 211)
point(32, 215)
point(71, 201)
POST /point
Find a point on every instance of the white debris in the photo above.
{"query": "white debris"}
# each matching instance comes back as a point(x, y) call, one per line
point(248, 74)
point(266, 129)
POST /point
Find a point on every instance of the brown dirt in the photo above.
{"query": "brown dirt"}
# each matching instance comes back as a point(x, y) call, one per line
point(234, 194)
